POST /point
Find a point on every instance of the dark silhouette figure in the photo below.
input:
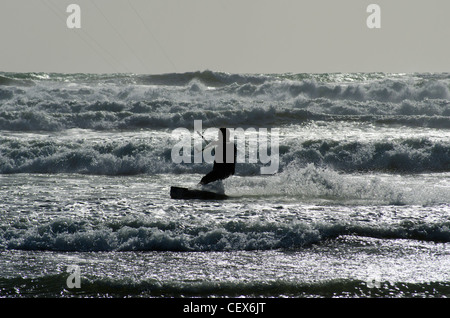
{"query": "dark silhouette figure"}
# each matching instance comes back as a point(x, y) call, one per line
point(224, 158)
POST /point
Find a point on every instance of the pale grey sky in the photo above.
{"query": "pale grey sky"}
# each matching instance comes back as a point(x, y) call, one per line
point(237, 36)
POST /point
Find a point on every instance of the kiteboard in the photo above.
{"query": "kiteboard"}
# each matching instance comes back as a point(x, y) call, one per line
point(186, 193)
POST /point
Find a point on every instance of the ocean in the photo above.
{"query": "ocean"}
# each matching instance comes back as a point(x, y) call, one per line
point(358, 208)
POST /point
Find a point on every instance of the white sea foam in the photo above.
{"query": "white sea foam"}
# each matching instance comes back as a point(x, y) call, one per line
point(149, 152)
point(128, 234)
point(362, 189)
point(175, 100)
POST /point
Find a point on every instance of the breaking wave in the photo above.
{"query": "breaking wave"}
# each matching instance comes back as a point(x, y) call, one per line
point(129, 157)
point(53, 285)
point(54, 102)
point(139, 234)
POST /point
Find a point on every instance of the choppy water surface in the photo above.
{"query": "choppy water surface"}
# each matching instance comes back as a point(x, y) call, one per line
point(359, 206)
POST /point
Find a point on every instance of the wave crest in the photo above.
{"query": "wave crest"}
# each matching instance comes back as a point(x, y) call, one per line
point(139, 235)
point(136, 156)
point(56, 101)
